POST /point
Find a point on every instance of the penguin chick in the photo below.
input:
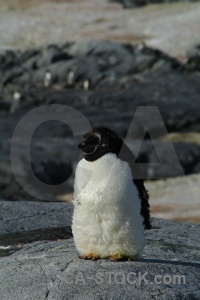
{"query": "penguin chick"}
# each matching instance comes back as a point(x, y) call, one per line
point(102, 140)
point(108, 219)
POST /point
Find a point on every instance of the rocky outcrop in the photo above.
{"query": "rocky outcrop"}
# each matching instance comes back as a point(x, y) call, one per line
point(76, 65)
point(106, 82)
point(175, 198)
point(194, 58)
point(52, 270)
point(23, 216)
point(25, 221)
point(186, 162)
point(131, 3)
point(138, 3)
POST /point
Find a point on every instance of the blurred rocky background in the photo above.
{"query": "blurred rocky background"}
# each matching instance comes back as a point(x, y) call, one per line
point(104, 61)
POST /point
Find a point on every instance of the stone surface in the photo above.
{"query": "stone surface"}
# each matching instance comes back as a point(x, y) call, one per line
point(111, 103)
point(182, 159)
point(25, 221)
point(138, 3)
point(18, 216)
point(167, 26)
point(176, 198)
point(131, 3)
point(45, 270)
point(109, 81)
point(194, 57)
point(72, 65)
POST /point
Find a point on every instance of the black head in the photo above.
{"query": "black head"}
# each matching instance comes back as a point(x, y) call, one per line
point(98, 142)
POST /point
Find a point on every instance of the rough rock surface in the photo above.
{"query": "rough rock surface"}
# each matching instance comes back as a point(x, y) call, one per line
point(76, 65)
point(27, 215)
point(119, 77)
point(176, 198)
point(170, 26)
point(162, 82)
point(131, 3)
point(46, 270)
point(138, 3)
point(194, 57)
point(25, 222)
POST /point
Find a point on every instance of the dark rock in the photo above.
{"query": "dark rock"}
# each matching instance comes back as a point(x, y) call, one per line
point(117, 79)
point(8, 60)
point(82, 64)
point(196, 168)
point(50, 56)
point(185, 162)
point(133, 3)
point(194, 58)
point(138, 3)
point(45, 270)
point(4, 105)
point(115, 108)
point(53, 172)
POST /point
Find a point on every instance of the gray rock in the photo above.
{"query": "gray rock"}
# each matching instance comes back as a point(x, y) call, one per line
point(175, 198)
point(52, 270)
point(138, 3)
point(24, 222)
point(131, 3)
point(81, 61)
point(194, 58)
point(110, 71)
point(19, 216)
point(188, 159)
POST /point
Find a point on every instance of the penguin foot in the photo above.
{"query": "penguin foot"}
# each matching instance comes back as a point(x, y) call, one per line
point(89, 256)
point(117, 257)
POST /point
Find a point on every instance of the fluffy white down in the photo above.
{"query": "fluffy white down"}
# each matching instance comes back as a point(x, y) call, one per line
point(107, 219)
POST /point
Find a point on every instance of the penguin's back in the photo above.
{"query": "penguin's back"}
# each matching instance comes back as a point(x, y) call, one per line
point(107, 215)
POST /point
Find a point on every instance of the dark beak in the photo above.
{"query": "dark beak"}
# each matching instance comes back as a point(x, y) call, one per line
point(81, 145)
point(86, 148)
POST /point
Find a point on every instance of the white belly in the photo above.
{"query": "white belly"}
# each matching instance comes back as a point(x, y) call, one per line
point(107, 219)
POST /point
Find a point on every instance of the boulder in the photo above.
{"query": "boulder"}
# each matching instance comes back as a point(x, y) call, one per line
point(138, 3)
point(107, 82)
point(134, 3)
point(193, 55)
point(19, 216)
point(169, 269)
point(75, 63)
point(175, 198)
point(26, 221)
point(182, 159)
point(131, 3)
